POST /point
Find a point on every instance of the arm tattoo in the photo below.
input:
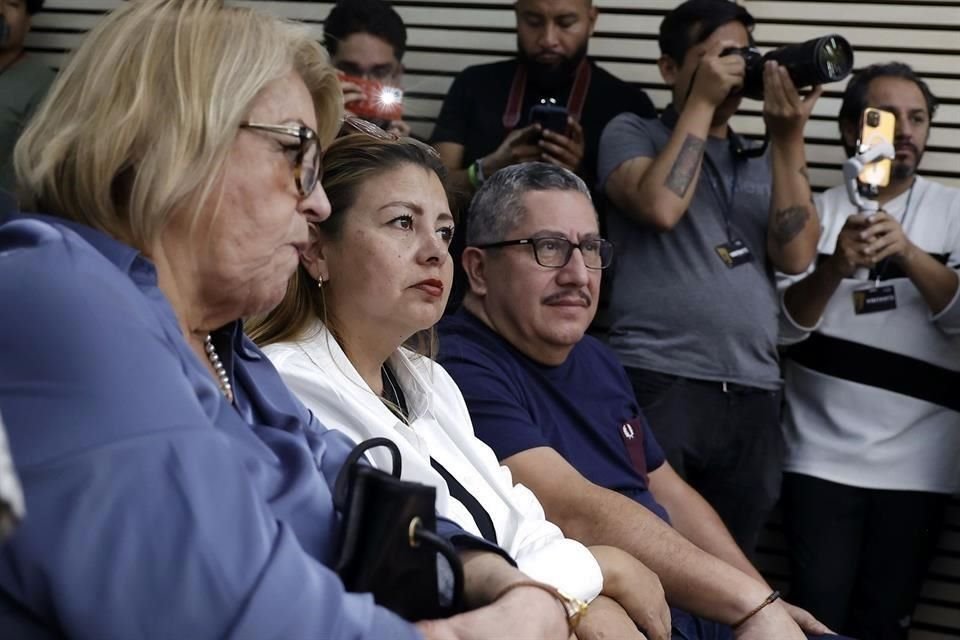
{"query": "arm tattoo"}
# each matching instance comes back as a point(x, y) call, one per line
point(683, 170)
point(788, 223)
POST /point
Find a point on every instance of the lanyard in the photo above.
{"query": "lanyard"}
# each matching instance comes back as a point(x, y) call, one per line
point(724, 199)
point(578, 94)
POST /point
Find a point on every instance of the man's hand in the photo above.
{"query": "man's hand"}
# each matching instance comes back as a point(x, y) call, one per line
point(849, 253)
point(351, 93)
point(806, 621)
point(773, 621)
point(784, 110)
point(718, 76)
point(884, 238)
point(561, 150)
point(520, 145)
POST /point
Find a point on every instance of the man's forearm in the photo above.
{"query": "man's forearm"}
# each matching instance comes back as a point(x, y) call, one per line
point(793, 228)
point(936, 282)
point(807, 299)
point(459, 187)
point(700, 524)
point(664, 192)
point(692, 578)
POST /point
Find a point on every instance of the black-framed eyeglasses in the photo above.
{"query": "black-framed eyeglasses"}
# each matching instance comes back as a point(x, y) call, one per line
point(306, 167)
point(353, 124)
point(555, 252)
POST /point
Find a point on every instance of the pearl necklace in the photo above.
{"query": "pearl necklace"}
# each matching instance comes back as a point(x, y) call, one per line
point(222, 378)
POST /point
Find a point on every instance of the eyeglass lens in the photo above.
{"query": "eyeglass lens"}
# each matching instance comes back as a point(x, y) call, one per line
point(556, 252)
point(309, 165)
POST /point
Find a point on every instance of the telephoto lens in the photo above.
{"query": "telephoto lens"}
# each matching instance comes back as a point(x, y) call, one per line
point(818, 61)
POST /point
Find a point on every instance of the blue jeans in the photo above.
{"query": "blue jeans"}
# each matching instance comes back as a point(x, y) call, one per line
point(688, 627)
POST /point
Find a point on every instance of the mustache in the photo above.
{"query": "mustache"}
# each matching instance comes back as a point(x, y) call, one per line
point(900, 144)
point(565, 295)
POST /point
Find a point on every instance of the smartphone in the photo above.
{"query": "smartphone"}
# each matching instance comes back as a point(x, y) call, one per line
point(876, 127)
point(550, 116)
point(379, 101)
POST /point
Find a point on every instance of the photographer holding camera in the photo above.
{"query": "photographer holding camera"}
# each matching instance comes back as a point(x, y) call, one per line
point(366, 40)
point(700, 225)
point(872, 424)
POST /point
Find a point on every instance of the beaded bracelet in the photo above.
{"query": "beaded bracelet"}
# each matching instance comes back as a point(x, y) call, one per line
point(773, 597)
point(574, 607)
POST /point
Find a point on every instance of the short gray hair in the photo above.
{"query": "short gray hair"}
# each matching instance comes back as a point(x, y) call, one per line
point(497, 207)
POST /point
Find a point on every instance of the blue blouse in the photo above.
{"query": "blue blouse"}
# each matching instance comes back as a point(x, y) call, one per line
point(155, 509)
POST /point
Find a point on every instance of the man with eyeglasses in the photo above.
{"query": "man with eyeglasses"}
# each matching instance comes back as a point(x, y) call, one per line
point(366, 40)
point(557, 408)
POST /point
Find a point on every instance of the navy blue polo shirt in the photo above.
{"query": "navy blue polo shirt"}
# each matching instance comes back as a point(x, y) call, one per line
point(584, 409)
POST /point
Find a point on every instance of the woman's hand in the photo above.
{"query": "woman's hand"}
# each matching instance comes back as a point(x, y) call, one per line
point(607, 620)
point(523, 612)
point(636, 589)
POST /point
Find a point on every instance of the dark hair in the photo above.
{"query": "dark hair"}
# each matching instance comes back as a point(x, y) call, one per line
point(694, 21)
point(375, 17)
point(33, 6)
point(497, 207)
point(855, 95)
point(347, 166)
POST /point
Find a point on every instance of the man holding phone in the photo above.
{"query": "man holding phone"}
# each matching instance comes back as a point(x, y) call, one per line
point(549, 103)
point(366, 40)
point(872, 424)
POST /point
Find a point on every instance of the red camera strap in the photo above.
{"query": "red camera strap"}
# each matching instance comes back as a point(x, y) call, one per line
point(578, 94)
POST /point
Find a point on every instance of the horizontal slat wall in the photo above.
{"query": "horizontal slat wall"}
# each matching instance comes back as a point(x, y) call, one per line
point(447, 35)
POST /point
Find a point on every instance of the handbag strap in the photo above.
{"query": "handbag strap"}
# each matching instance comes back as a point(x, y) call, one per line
point(421, 535)
point(342, 486)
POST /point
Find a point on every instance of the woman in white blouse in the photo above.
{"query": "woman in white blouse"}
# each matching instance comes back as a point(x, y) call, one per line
point(378, 276)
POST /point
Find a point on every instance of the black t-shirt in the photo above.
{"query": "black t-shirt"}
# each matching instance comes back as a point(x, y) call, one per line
point(472, 112)
point(472, 115)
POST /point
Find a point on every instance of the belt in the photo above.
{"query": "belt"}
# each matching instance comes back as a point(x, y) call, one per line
point(729, 387)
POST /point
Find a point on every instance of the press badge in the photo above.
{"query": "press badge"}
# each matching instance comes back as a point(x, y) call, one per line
point(734, 253)
point(874, 299)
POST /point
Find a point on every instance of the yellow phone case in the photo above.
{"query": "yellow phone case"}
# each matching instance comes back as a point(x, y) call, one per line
point(877, 126)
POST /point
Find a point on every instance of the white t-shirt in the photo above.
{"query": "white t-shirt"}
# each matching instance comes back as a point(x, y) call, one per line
point(868, 396)
point(320, 374)
point(11, 496)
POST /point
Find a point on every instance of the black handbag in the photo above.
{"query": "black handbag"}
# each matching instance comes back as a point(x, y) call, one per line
point(388, 543)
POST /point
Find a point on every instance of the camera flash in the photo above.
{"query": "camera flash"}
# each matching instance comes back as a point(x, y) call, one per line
point(390, 96)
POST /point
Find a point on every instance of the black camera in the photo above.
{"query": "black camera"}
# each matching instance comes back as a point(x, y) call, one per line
point(817, 61)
